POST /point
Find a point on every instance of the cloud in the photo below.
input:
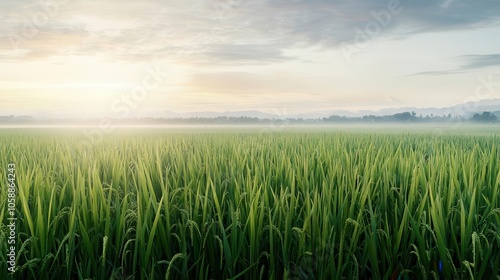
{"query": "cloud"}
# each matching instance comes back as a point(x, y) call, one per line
point(480, 61)
point(466, 63)
point(220, 31)
point(227, 82)
point(240, 83)
point(394, 100)
point(245, 53)
point(434, 73)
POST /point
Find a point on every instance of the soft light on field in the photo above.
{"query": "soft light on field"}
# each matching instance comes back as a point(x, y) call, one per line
point(229, 204)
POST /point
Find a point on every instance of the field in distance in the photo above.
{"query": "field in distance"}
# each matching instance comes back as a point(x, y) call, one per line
point(276, 202)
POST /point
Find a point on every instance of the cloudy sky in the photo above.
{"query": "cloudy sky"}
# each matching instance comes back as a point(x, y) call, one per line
point(120, 58)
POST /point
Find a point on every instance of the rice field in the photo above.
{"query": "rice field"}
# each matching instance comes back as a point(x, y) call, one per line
point(246, 205)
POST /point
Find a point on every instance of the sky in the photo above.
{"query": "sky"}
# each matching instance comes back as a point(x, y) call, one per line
point(89, 58)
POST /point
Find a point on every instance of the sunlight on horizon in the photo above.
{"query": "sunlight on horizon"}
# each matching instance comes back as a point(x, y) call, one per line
point(92, 59)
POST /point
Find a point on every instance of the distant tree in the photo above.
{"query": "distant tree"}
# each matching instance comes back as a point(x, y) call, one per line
point(405, 116)
point(484, 117)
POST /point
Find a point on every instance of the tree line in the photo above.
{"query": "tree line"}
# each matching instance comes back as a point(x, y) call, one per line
point(404, 117)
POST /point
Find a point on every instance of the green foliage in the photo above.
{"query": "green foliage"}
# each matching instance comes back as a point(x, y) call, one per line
point(244, 205)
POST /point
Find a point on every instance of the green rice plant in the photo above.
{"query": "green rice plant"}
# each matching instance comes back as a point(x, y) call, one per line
point(234, 204)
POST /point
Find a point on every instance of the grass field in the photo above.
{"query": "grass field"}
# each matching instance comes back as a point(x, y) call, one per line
point(249, 205)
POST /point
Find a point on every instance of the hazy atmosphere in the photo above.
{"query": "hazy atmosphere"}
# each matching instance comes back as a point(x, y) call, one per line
point(129, 58)
point(233, 139)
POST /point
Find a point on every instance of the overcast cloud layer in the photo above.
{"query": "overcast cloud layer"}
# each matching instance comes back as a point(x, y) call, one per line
point(316, 50)
point(223, 31)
